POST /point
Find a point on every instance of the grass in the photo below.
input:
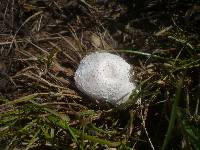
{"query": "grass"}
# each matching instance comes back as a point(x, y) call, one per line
point(173, 116)
point(41, 108)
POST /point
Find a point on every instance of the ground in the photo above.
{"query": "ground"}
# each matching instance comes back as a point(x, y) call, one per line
point(41, 45)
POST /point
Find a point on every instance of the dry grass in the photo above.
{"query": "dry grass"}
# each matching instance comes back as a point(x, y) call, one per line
point(41, 46)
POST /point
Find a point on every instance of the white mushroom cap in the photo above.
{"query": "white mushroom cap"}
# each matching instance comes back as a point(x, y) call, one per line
point(104, 76)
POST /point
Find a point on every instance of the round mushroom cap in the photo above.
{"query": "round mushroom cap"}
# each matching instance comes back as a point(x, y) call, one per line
point(104, 76)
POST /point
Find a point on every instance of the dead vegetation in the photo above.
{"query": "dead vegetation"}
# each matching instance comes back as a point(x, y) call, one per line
point(41, 44)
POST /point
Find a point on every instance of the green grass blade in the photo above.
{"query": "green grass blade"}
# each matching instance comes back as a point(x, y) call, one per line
point(173, 116)
point(190, 129)
point(145, 54)
point(24, 99)
point(33, 140)
point(96, 139)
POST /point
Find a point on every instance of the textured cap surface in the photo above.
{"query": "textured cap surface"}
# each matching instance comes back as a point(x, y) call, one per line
point(104, 76)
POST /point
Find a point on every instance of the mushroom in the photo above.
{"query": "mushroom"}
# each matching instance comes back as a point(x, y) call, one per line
point(104, 77)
